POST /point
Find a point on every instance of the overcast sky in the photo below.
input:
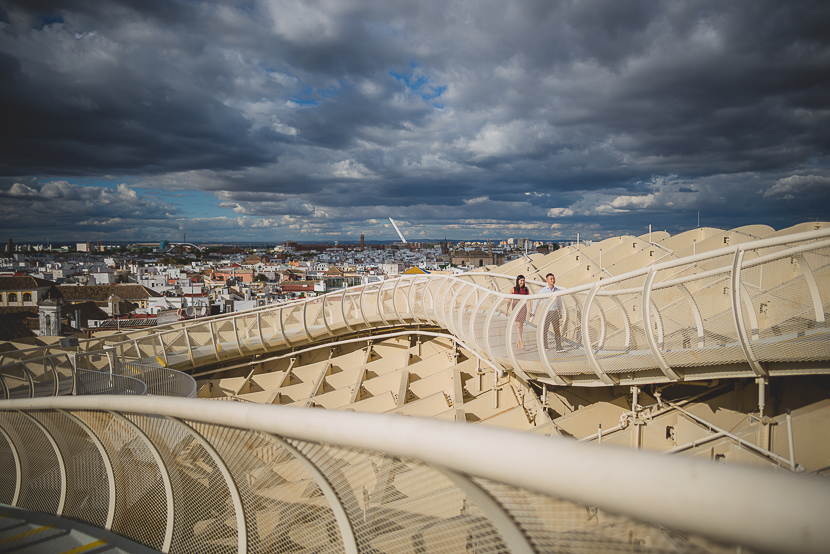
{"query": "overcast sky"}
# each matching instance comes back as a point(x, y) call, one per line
point(268, 120)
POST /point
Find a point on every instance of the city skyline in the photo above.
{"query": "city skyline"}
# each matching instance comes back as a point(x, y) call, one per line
point(495, 241)
point(266, 121)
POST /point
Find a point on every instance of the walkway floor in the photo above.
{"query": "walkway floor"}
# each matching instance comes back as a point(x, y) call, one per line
point(25, 532)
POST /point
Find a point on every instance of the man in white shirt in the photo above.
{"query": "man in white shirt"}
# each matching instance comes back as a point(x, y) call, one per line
point(554, 315)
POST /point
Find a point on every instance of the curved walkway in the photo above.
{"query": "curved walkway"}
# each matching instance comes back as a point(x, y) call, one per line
point(758, 309)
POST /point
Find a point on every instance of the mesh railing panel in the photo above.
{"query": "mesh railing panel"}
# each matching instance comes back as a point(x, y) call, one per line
point(334, 313)
point(87, 488)
point(285, 510)
point(225, 337)
point(351, 307)
point(292, 321)
point(386, 300)
point(198, 333)
point(63, 368)
point(315, 315)
point(293, 495)
point(175, 341)
point(416, 296)
point(785, 299)
point(249, 333)
point(371, 306)
point(398, 505)
point(40, 471)
point(200, 495)
point(161, 381)
point(102, 382)
point(44, 378)
point(141, 506)
point(16, 380)
point(556, 525)
point(8, 476)
point(400, 300)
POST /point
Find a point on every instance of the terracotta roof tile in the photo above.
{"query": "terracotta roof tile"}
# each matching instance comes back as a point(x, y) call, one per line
point(23, 283)
point(102, 293)
point(16, 325)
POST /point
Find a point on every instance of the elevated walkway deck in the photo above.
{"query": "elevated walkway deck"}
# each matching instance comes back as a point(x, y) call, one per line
point(28, 532)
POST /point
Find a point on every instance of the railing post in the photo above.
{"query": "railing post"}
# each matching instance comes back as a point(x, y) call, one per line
point(305, 321)
point(815, 295)
point(5, 388)
point(586, 338)
point(395, 300)
point(343, 310)
point(360, 305)
point(410, 299)
point(380, 302)
point(234, 319)
point(542, 309)
point(163, 349)
point(190, 348)
point(652, 343)
point(213, 339)
point(74, 364)
point(282, 328)
point(738, 316)
point(325, 317)
point(18, 468)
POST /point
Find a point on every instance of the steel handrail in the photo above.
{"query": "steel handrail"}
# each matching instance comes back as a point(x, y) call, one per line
point(747, 506)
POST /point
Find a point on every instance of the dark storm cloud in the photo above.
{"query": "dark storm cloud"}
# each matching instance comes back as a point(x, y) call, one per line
point(531, 117)
point(81, 102)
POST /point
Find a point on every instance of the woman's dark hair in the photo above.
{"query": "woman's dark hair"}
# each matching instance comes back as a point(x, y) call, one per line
point(518, 278)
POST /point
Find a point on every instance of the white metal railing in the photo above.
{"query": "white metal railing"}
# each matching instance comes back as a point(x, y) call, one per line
point(161, 381)
point(96, 372)
point(190, 475)
point(755, 309)
point(103, 382)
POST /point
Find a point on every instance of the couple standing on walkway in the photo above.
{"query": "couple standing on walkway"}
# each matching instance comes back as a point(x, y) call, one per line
point(553, 316)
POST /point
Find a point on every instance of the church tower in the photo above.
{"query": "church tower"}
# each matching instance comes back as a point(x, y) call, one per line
point(49, 313)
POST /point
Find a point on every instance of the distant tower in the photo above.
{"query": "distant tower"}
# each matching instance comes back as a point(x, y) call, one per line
point(10, 246)
point(49, 313)
point(362, 243)
point(114, 305)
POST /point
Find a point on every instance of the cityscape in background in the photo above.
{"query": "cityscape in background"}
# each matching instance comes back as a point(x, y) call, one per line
point(94, 287)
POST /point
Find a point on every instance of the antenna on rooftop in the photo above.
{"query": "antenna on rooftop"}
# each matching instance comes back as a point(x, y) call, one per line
point(398, 230)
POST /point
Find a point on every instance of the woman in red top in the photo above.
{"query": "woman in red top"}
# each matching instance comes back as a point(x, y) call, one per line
point(520, 288)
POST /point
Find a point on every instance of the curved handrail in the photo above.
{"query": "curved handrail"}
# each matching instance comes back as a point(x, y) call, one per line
point(101, 382)
point(162, 381)
point(746, 506)
point(110, 378)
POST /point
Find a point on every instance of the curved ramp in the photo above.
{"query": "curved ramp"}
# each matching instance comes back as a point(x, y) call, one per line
point(755, 309)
